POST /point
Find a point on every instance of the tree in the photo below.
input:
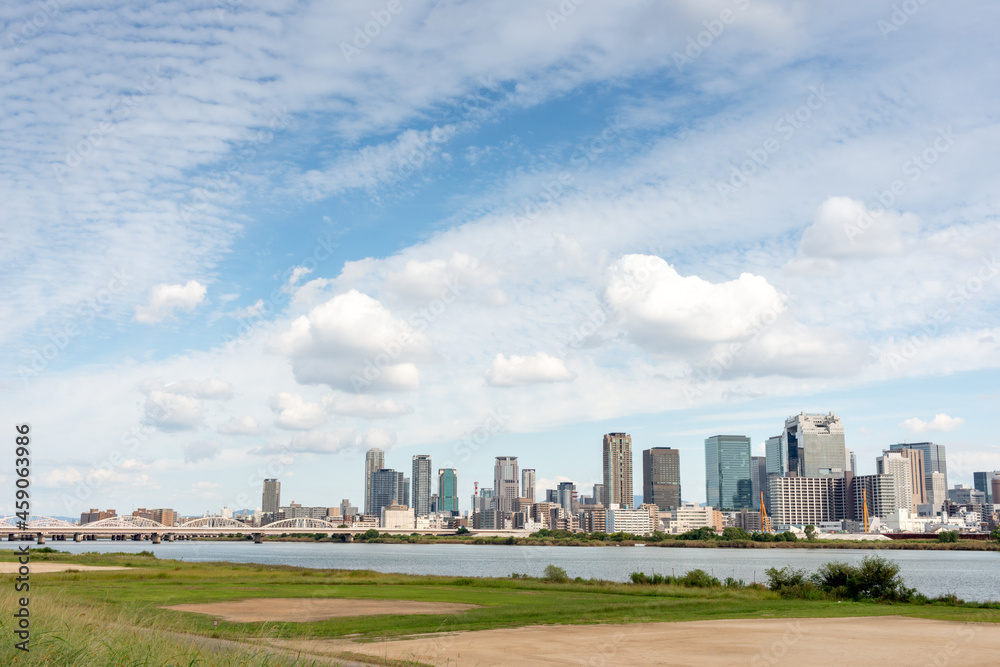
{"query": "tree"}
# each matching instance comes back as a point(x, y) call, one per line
point(735, 533)
point(996, 534)
point(948, 536)
point(462, 530)
point(810, 532)
point(370, 534)
point(556, 573)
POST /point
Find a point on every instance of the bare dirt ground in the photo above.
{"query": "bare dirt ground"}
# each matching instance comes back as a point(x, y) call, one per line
point(890, 640)
point(38, 568)
point(297, 610)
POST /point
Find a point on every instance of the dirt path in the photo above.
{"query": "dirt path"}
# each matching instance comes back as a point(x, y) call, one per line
point(889, 640)
point(41, 568)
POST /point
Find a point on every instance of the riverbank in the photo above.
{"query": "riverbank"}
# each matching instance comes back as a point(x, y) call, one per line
point(131, 615)
point(667, 542)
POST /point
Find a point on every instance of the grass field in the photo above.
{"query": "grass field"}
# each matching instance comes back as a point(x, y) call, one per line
point(116, 617)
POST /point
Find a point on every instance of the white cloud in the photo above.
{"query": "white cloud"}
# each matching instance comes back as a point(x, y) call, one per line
point(313, 442)
point(173, 412)
point(364, 406)
point(165, 300)
point(941, 422)
point(845, 227)
point(524, 370)
point(439, 279)
point(201, 451)
point(378, 437)
point(245, 425)
point(213, 389)
point(666, 312)
point(295, 413)
point(353, 342)
point(251, 311)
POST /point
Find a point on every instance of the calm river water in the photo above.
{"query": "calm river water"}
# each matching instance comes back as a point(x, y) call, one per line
point(971, 575)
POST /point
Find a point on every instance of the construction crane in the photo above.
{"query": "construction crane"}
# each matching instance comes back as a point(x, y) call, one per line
point(864, 504)
point(765, 521)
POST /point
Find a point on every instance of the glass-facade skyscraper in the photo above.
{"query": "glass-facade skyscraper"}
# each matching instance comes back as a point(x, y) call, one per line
point(934, 460)
point(728, 484)
point(661, 477)
point(448, 491)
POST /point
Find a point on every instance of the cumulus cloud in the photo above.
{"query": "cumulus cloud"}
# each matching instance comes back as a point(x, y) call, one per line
point(245, 425)
point(364, 406)
point(663, 311)
point(173, 412)
point(251, 311)
point(378, 437)
point(353, 342)
point(213, 389)
point(845, 227)
point(524, 370)
point(437, 278)
point(314, 442)
point(294, 413)
point(941, 422)
point(201, 451)
point(165, 300)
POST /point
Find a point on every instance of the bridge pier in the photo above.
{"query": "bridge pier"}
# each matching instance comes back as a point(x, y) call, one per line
point(349, 537)
point(77, 537)
point(137, 537)
point(170, 537)
point(41, 539)
point(156, 538)
point(258, 538)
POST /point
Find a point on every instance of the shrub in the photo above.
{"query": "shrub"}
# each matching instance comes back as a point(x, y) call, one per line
point(734, 583)
point(462, 530)
point(700, 579)
point(786, 577)
point(734, 533)
point(948, 536)
point(702, 534)
point(370, 534)
point(996, 534)
point(878, 579)
point(555, 573)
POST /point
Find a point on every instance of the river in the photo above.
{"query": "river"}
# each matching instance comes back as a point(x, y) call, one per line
point(971, 575)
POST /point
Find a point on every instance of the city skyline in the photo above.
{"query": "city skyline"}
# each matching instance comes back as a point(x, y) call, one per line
point(500, 239)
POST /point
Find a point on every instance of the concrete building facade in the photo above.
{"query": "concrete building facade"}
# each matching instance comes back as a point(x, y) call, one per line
point(420, 481)
point(374, 461)
point(661, 477)
point(617, 450)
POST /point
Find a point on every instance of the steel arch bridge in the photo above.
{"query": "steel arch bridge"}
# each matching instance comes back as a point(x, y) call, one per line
point(36, 522)
point(214, 522)
point(125, 522)
point(303, 523)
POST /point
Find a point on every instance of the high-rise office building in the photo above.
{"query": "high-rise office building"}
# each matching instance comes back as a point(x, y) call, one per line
point(528, 483)
point(506, 486)
point(386, 489)
point(374, 461)
point(776, 453)
point(566, 494)
point(758, 480)
point(964, 495)
point(937, 491)
point(727, 472)
point(618, 470)
point(995, 488)
point(815, 445)
point(854, 464)
point(918, 480)
point(879, 491)
point(403, 493)
point(661, 477)
point(935, 460)
point(421, 481)
point(982, 481)
point(598, 494)
point(448, 491)
point(898, 466)
point(271, 498)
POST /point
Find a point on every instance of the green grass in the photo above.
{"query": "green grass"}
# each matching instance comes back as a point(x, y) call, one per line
point(116, 617)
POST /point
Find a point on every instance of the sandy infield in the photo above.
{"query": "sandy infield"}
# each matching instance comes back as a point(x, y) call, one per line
point(891, 640)
point(297, 610)
point(36, 568)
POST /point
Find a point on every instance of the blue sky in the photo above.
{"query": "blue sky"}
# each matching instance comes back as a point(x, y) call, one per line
point(674, 219)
